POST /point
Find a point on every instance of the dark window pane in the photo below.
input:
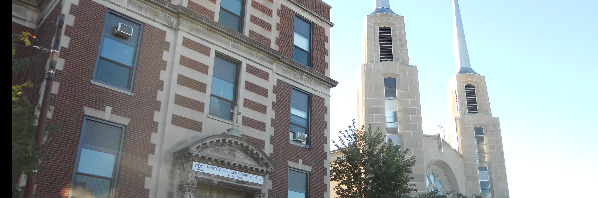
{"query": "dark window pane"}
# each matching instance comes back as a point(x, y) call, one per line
point(392, 130)
point(220, 108)
point(299, 100)
point(229, 20)
point(96, 163)
point(102, 135)
point(86, 186)
point(113, 74)
point(479, 130)
point(302, 27)
point(225, 69)
point(479, 139)
point(117, 51)
point(233, 6)
point(297, 182)
point(301, 56)
point(390, 82)
point(390, 93)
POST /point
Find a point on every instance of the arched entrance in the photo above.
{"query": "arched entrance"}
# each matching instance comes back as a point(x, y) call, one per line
point(223, 165)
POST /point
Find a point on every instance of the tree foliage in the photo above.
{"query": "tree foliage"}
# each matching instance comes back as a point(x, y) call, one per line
point(26, 155)
point(370, 166)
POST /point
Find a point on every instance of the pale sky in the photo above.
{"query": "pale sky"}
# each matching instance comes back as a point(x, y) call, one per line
point(540, 60)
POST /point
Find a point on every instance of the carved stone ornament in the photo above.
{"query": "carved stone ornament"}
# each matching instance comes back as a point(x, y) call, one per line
point(187, 182)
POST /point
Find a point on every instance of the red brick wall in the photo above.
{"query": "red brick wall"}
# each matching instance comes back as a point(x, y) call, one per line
point(76, 91)
point(284, 151)
point(317, 6)
point(262, 8)
point(200, 10)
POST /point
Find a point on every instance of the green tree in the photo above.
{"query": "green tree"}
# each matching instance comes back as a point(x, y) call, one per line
point(370, 166)
point(26, 155)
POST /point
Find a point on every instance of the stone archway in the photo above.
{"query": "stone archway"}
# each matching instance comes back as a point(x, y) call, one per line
point(220, 166)
point(443, 172)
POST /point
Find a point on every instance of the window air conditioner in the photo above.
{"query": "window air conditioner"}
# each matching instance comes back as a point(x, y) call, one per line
point(123, 30)
point(299, 137)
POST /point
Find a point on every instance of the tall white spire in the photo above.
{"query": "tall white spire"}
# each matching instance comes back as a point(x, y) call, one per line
point(460, 46)
point(381, 4)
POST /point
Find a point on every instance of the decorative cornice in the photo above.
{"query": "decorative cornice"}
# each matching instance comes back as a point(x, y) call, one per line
point(312, 12)
point(195, 151)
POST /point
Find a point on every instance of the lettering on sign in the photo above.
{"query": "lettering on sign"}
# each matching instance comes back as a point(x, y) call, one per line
point(224, 172)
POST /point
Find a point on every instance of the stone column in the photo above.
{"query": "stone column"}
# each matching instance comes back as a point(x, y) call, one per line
point(187, 184)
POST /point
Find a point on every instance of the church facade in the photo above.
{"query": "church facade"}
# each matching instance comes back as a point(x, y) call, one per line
point(469, 159)
point(181, 98)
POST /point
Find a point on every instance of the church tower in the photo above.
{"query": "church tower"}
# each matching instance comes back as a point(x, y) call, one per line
point(477, 134)
point(388, 88)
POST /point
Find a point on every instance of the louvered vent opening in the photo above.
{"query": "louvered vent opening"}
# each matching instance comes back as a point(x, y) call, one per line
point(385, 39)
point(470, 97)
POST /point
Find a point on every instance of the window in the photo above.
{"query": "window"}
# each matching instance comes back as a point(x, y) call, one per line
point(230, 14)
point(395, 139)
point(434, 184)
point(483, 175)
point(299, 118)
point(118, 51)
point(470, 97)
point(99, 153)
point(224, 88)
point(385, 40)
point(390, 88)
point(302, 41)
point(392, 123)
point(298, 184)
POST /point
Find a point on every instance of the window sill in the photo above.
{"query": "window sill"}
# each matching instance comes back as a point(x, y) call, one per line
point(111, 88)
point(299, 144)
point(229, 122)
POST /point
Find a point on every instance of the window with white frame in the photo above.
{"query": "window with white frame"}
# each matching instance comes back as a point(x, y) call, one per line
point(117, 57)
point(231, 14)
point(98, 158)
point(302, 41)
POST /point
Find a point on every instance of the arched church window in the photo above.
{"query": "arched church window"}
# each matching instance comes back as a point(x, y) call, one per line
point(433, 183)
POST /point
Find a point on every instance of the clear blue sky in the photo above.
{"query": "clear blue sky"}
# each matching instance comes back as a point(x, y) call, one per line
point(540, 60)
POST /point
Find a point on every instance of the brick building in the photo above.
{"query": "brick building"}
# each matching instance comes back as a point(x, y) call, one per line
point(173, 98)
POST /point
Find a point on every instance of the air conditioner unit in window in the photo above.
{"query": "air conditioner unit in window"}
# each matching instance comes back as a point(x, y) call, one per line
point(123, 30)
point(299, 136)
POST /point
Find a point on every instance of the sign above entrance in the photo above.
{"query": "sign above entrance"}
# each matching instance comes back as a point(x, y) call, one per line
point(224, 172)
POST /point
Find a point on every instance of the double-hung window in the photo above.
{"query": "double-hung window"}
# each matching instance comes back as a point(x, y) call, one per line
point(118, 51)
point(302, 41)
point(299, 121)
point(98, 158)
point(224, 88)
point(298, 184)
point(231, 14)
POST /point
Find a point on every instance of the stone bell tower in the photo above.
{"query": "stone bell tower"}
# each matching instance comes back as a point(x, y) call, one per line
point(388, 88)
point(477, 134)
